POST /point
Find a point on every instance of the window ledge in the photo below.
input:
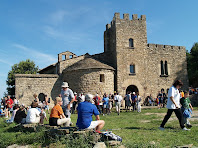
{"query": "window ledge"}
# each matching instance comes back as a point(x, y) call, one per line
point(131, 48)
point(164, 75)
point(132, 74)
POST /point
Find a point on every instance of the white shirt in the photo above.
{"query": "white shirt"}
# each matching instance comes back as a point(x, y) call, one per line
point(67, 96)
point(118, 98)
point(83, 98)
point(32, 114)
point(13, 115)
point(173, 92)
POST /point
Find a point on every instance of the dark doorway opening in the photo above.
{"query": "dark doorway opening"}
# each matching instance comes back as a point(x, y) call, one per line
point(41, 97)
point(132, 88)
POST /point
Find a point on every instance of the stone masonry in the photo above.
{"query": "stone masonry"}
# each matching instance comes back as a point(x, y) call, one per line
point(128, 63)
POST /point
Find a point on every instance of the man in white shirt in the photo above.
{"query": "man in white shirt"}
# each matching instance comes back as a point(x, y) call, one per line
point(118, 100)
point(173, 105)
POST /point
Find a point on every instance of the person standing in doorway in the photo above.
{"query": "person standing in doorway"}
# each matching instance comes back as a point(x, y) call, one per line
point(173, 105)
point(128, 101)
point(134, 99)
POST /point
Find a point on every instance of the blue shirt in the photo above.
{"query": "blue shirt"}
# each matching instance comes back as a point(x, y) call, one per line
point(85, 112)
point(133, 97)
point(106, 101)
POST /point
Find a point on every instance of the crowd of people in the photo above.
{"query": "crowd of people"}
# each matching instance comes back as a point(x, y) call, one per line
point(85, 106)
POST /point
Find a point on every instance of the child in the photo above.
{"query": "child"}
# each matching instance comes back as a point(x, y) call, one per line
point(43, 115)
point(186, 105)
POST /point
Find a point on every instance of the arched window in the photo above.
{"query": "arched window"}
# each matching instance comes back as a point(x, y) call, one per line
point(132, 69)
point(131, 43)
point(166, 68)
point(162, 68)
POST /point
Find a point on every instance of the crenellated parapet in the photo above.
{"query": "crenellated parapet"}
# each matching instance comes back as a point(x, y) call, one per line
point(165, 47)
point(117, 19)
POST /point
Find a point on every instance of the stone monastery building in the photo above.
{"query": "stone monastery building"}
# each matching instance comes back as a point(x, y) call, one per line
point(128, 63)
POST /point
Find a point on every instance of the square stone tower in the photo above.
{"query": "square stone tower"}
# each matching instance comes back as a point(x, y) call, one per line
point(139, 66)
point(125, 41)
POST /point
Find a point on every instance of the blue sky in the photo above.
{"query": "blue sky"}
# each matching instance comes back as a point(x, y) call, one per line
point(40, 29)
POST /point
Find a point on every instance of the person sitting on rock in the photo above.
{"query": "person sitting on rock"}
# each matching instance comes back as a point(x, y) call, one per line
point(57, 116)
point(20, 116)
point(33, 114)
point(85, 111)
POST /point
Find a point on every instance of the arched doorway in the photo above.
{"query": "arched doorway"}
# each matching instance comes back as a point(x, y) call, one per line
point(132, 88)
point(41, 97)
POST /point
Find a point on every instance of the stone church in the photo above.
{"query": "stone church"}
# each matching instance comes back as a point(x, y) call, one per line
point(128, 63)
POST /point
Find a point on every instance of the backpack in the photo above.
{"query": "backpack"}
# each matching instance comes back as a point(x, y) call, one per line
point(111, 136)
point(187, 112)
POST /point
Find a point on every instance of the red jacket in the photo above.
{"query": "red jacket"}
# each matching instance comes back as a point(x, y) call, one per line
point(9, 103)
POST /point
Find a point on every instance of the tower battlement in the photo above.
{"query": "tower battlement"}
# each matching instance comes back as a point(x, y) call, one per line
point(165, 47)
point(125, 18)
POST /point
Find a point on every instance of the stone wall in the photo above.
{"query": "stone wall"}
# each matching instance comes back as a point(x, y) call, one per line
point(28, 84)
point(64, 64)
point(177, 67)
point(88, 81)
point(117, 53)
point(146, 57)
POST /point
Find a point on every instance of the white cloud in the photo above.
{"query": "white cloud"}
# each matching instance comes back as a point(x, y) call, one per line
point(41, 58)
point(53, 32)
point(69, 37)
point(5, 62)
point(58, 17)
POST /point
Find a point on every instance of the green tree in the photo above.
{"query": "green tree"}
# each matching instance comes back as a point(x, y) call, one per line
point(192, 62)
point(23, 67)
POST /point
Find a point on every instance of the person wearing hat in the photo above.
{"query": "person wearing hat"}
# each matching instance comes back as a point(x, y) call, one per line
point(133, 98)
point(67, 98)
point(85, 111)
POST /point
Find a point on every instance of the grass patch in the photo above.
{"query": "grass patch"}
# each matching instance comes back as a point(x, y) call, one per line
point(136, 130)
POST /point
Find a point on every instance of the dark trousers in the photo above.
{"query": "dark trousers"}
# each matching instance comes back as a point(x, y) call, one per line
point(134, 106)
point(179, 115)
point(99, 109)
point(73, 107)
